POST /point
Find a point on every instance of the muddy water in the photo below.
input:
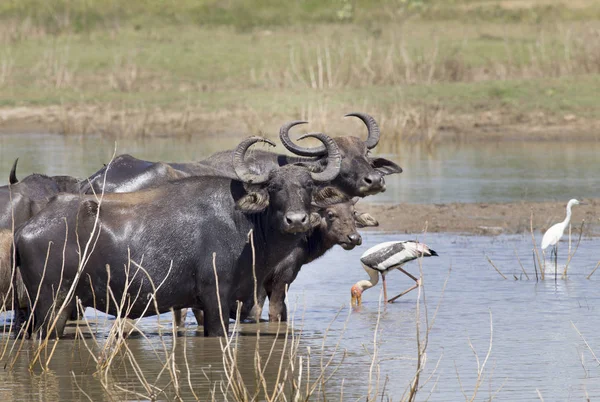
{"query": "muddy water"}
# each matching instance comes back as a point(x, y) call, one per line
point(535, 346)
point(501, 172)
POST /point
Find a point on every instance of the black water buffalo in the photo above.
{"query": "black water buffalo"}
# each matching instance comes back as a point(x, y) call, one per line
point(360, 174)
point(337, 225)
point(20, 200)
point(126, 174)
point(168, 234)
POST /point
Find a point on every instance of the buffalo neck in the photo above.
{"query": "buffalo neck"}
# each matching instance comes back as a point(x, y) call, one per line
point(317, 244)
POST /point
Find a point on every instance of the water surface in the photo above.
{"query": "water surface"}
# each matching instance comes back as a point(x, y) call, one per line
point(476, 172)
point(535, 345)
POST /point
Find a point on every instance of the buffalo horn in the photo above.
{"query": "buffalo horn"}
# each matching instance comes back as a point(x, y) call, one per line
point(372, 126)
point(298, 150)
point(240, 166)
point(334, 158)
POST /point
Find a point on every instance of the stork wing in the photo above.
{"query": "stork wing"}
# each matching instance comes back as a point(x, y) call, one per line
point(384, 257)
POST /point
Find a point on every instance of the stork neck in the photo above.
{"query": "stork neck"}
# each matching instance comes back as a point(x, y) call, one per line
point(372, 281)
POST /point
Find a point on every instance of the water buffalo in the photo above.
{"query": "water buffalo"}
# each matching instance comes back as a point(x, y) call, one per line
point(20, 200)
point(168, 234)
point(126, 174)
point(337, 225)
point(360, 174)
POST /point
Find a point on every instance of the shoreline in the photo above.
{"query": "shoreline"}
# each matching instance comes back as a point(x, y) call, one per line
point(488, 126)
point(483, 219)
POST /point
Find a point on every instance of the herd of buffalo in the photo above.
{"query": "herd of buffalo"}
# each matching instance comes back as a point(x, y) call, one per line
point(139, 238)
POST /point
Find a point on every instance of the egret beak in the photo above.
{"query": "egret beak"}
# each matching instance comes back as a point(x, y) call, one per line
point(583, 203)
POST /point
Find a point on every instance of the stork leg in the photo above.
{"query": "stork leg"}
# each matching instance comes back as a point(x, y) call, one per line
point(384, 289)
point(416, 285)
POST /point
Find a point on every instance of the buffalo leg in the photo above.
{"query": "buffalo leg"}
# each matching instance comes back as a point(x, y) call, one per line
point(257, 308)
point(216, 323)
point(277, 308)
point(216, 311)
point(179, 317)
point(199, 314)
point(44, 318)
point(285, 273)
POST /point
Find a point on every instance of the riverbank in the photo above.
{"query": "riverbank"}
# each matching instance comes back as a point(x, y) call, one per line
point(482, 218)
point(483, 126)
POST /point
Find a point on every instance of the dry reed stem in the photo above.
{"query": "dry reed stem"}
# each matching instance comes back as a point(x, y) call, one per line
point(564, 275)
point(480, 366)
point(494, 266)
point(520, 263)
point(594, 270)
point(586, 343)
point(535, 249)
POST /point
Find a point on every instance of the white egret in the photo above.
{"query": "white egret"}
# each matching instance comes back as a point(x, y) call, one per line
point(556, 231)
point(385, 257)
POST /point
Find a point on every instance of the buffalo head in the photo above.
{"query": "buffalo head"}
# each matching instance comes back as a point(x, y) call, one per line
point(338, 224)
point(290, 190)
point(360, 174)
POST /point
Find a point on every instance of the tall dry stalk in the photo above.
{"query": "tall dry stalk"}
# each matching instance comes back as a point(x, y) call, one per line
point(571, 254)
point(481, 365)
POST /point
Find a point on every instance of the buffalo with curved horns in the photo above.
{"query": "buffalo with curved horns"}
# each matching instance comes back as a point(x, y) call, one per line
point(154, 249)
point(337, 225)
point(360, 174)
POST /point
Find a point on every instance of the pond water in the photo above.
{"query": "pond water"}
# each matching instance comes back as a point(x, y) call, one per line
point(476, 172)
point(536, 349)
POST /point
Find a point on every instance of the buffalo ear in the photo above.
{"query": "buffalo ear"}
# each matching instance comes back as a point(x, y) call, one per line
point(384, 166)
point(328, 196)
point(364, 220)
point(253, 202)
point(315, 220)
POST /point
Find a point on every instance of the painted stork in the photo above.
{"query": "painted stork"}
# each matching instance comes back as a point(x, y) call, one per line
point(554, 234)
point(385, 257)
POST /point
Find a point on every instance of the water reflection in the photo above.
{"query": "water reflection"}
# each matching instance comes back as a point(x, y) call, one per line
point(476, 172)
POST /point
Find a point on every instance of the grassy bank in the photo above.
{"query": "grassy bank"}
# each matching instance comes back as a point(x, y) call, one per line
point(419, 67)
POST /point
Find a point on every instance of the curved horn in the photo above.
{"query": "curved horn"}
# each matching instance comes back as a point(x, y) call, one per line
point(12, 177)
point(290, 146)
point(334, 158)
point(239, 165)
point(372, 126)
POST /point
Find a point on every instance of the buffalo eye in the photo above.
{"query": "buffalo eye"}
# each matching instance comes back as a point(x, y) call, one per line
point(330, 215)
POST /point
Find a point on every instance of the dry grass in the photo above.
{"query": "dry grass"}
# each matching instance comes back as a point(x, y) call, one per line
point(414, 77)
point(336, 62)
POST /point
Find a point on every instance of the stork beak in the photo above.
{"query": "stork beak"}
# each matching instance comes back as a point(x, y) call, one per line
point(356, 300)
